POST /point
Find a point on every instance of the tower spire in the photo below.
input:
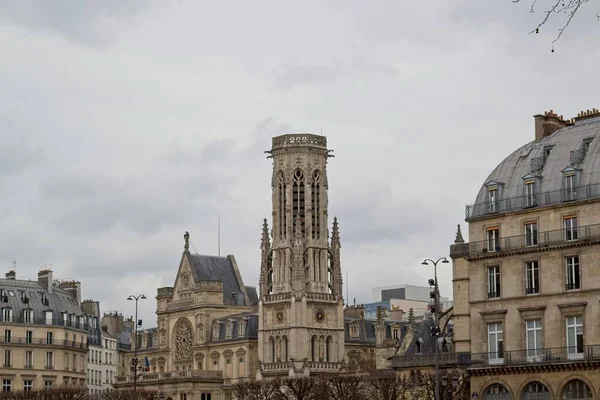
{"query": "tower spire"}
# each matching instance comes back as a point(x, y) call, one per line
point(335, 260)
point(266, 274)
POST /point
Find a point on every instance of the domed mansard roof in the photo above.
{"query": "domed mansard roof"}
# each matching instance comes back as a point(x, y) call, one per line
point(573, 150)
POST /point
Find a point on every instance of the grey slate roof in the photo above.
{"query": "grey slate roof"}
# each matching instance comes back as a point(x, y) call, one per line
point(366, 330)
point(252, 295)
point(518, 164)
point(59, 301)
point(212, 268)
point(251, 327)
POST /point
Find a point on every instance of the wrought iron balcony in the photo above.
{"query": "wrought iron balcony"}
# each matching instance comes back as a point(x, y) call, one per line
point(43, 342)
point(19, 319)
point(571, 354)
point(189, 375)
point(536, 241)
point(538, 200)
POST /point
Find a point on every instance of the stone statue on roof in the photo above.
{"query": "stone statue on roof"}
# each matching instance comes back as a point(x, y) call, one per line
point(186, 237)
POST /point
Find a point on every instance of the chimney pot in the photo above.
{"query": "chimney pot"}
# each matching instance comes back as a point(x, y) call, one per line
point(11, 275)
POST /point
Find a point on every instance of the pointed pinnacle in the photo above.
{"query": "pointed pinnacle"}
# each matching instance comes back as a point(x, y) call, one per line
point(459, 237)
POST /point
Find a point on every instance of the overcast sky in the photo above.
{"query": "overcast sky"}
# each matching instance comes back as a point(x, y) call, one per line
point(125, 124)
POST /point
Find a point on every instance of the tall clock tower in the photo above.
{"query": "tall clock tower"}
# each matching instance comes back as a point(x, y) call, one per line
point(301, 318)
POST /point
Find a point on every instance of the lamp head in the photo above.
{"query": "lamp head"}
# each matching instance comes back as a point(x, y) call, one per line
point(445, 261)
point(424, 263)
point(130, 298)
point(143, 296)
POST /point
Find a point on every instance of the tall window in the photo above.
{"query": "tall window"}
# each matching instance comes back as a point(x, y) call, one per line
point(28, 316)
point(49, 337)
point(572, 273)
point(7, 359)
point(494, 281)
point(49, 360)
point(29, 337)
point(316, 206)
point(493, 200)
point(532, 277)
point(531, 234)
point(575, 337)
point(570, 225)
point(496, 343)
point(48, 317)
point(6, 385)
point(570, 190)
point(493, 239)
point(28, 359)
point(281, 194)
point(530, 194)
point(298, 197)
point(27, 385)
point(7, 314)
point(534, 337)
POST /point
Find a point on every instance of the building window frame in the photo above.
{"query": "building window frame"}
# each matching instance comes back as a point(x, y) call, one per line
point(534, 339)
point(574, 337)
point(494, 281)
point(531, 233)
point(7, 314)
point(492, 236)
point(28, 316)
point(532, 277)
point(572, 272)
point(571, 228)
point(6, 385)
point(531, 199)
point(27, 385)
point(495, 334)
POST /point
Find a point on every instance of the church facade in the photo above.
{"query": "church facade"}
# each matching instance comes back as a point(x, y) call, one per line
point(214, 331)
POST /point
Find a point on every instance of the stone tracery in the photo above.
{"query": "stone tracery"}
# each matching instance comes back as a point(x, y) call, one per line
point(183, 335)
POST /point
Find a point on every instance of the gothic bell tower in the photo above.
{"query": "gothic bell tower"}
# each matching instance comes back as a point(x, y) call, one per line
point(301, 322)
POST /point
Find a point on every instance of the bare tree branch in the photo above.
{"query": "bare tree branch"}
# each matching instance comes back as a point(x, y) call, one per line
point(556, 7)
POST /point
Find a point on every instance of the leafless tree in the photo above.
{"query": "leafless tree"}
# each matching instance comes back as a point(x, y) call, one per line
point(453, 383)
point(387, 385)
point(142, 394)
point(257, 390)
point(47, 394)
point(347, 387)
point(552, 9)
point(302, 389)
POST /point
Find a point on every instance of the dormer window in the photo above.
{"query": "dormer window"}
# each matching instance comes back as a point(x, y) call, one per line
point(241, 327)
point(24, 297)
point(587, 142)
point(419, 344)
point(547, 151)
point(229, 329)
point(396, 332)
point(27, 316)
point(216, 331)
point(569, 184)
point(530, 190)
point(7, 315)
point(493, 196)
point(354, 331)
point(48, 317)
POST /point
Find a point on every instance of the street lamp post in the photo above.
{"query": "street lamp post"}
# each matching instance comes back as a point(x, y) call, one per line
point(436, 304)
point(135, 360)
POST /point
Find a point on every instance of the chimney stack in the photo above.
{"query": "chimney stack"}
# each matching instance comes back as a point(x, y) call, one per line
point(45, 278)
point(74, 289)
point(11, 275)
point(582, 115)
point(547, 124)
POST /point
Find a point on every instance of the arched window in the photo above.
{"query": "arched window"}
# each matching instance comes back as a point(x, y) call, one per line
point(496, 392)
point(536, 391)
point(577, 389)
point(316, 206)
point(200, 365)
point(298, 198)
point(272, 349)
point(314, 348)
point(328, 348)
point(282, 202)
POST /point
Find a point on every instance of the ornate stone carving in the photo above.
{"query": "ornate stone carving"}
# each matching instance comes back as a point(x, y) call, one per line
point(183, 336)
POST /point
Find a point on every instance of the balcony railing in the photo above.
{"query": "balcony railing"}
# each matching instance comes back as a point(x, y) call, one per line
point(534, 241)
point(524, 202)
point(173, 376)
point(323, 365)
point(180, 304)
point(43, 342)
point(18, 319)
point(513, 357)
point(276, 366)
point(278, 296)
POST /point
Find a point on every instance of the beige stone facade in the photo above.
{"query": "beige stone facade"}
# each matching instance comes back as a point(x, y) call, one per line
point(526, 286)
point(43, 334)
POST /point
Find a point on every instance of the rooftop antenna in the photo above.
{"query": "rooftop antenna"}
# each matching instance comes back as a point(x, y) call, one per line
point(219, 236)
point(14, 266)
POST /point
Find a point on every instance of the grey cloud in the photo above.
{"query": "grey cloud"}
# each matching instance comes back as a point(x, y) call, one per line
point(92, 22)
point(19, 147)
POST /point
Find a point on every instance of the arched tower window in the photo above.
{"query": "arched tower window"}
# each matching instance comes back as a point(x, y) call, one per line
point(316, 209)
point(298, 197)
point(281, 188)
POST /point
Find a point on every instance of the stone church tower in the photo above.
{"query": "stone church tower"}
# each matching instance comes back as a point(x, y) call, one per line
point(301, 321)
